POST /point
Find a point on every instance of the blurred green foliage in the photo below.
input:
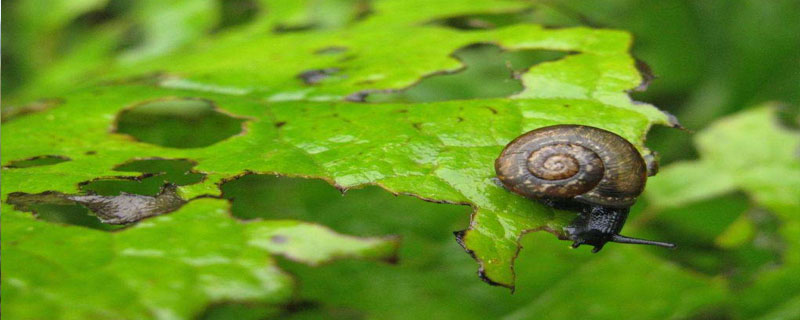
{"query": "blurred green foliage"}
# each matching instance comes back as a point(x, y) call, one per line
point(711, 58)
point(434, 279)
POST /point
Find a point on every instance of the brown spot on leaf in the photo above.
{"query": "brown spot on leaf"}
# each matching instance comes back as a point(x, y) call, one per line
point(278, 239)
point(316, 76)
point(360, 96)
point(12, 112)
point(331, 50)
point(288, 28)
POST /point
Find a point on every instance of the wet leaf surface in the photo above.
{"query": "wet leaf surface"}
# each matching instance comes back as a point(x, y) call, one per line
point(404, 148)
point(283, 103)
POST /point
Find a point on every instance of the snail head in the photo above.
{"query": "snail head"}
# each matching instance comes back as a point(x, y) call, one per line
point(597, 225)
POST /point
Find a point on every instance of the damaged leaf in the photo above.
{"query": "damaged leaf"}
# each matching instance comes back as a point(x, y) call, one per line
point(264, 119)
point(147, 271)
point(127, 208)
point(124, 208)
point(410, 149)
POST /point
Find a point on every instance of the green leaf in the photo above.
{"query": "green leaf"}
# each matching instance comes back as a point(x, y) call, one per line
point(289, 105)
point(405, 148)
point(752, 153)
point(766, 169)
point(146, 271)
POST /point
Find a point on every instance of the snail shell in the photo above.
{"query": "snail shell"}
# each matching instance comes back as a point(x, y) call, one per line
point(586, 164)
point(565, 165)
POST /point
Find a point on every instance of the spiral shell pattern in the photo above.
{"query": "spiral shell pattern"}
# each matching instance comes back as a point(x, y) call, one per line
point(584, 163)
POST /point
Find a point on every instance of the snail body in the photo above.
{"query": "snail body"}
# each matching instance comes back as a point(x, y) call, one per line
point(580, 168)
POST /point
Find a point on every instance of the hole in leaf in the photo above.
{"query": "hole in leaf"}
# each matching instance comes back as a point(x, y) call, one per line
point(490, 72)
point(542, 15)
point(360, 212)
point(72, 214)
point(157, 172)
point(128, 208)
point(113, 201)
point(111, 210)
point(236, 12)
point(36, 161)
point(178, 123)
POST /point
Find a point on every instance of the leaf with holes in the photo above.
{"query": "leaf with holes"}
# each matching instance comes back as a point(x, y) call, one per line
point(145, 271)
point(279, 95)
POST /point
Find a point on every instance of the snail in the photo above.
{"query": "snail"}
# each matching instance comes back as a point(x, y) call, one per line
point(579, 168)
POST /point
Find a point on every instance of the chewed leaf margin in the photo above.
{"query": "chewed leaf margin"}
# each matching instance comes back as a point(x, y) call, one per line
point(441, 152)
